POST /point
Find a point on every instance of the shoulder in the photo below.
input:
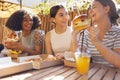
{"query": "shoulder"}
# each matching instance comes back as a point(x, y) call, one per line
point(69, 28)
point(48, 34)
point(39, 32)
point(116, 29)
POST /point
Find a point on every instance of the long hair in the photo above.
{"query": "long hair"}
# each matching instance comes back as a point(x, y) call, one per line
point(15, 20)
point(113, 12)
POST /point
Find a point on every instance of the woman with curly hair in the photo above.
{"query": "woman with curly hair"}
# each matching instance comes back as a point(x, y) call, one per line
point(31, 40)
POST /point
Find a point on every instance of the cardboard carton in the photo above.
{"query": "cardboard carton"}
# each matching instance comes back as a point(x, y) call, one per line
point(7, 67)
point(69, 63)
point(41, 63)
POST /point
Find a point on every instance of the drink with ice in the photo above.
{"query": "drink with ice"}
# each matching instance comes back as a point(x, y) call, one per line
point(82, 62)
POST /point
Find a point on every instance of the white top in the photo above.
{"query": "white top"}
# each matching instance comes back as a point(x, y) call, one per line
point(60, 42)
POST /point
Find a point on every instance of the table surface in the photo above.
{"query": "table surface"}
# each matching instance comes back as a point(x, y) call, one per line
point(61, 72)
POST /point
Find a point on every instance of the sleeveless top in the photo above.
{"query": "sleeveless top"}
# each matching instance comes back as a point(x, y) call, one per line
point(60, 42)
point(36, 37)
point(111, 40)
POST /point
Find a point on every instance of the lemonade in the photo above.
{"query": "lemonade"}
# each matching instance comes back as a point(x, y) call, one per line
point(82, 64)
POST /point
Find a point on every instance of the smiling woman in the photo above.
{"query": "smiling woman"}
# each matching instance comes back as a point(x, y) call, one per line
point(58, 40)
point(103, 38)
point(30, 40)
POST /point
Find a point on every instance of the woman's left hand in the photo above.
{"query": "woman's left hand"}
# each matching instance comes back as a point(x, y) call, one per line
point(94, 33)
point(13, 45)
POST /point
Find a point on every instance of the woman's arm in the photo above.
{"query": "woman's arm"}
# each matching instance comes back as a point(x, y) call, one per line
point(74, 43)
point(112, 56)
point(48, 43)
point(39, 38)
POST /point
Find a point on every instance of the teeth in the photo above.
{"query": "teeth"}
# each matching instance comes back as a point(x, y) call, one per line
point(95, 26)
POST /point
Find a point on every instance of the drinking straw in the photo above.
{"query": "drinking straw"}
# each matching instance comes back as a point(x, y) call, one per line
point(82, 41)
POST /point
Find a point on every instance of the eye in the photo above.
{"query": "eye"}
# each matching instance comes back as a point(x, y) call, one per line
point(61, 14)
point(93, 7)
point(24, 19)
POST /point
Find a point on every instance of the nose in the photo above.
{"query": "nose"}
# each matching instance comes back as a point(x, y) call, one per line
point(30, 21)
point(66, 17)
point(90, 12)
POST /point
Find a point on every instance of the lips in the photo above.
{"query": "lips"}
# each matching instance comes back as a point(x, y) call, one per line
point(28, 26)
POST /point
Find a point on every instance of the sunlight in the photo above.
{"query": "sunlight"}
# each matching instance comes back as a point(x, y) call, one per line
point(48, 78)
point(58, 78)
point(23, 76)
point(55, 78)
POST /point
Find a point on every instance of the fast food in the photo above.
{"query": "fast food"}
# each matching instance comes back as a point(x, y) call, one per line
point(50, 57)
point(81, 22)
point(33, 59)
point(11, 40)
point(12, 37)
point(15, 51)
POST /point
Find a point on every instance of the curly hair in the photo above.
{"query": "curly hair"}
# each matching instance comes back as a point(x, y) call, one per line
point(15, 20)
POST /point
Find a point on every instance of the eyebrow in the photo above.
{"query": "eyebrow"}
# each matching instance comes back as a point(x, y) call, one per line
point(61, 13)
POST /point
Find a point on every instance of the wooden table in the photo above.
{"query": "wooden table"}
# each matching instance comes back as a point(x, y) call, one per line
point(96, 72)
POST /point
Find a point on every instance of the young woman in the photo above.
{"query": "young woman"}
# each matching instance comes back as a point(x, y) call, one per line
point(103, 38)
point(31, 40)
point(58, 40)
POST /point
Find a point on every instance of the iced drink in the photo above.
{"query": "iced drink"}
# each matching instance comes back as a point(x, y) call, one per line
point(82, 63)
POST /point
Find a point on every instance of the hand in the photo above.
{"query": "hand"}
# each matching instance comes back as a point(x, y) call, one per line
point(59, 55)
point(75, 32)
point(94, 33)
point(13, 45)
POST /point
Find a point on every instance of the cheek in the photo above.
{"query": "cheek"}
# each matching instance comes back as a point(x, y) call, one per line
point(22, 25)
point(100, 12)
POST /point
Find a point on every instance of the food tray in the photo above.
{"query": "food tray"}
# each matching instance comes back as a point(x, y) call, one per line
point(7, 67)
point(69, 63)
point(41, 63)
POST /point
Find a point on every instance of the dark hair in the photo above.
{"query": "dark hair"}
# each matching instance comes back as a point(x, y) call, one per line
point(54, 10)
point(1, 47)
point(113, 12)
point(15, 20)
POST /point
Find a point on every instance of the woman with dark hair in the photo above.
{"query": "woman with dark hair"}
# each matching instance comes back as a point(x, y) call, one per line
point(31, 40)
point(103, 38)
point(58, 40)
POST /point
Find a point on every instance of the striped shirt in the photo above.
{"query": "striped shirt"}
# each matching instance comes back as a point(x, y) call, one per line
point(111, 40)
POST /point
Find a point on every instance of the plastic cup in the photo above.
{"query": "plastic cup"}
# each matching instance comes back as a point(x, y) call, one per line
point(82, 62)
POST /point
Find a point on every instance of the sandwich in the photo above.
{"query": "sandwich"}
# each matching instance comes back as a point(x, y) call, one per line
point(81, 22)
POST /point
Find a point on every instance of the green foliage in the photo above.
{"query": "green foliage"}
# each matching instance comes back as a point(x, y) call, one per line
point(44, 7)
point(118, 1)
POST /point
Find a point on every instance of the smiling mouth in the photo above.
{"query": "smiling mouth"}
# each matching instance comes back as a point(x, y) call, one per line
point(93, 15)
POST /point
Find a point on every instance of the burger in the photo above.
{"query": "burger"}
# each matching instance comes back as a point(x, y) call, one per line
point(12, 37)
point(11, 40)
point(81, 22)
